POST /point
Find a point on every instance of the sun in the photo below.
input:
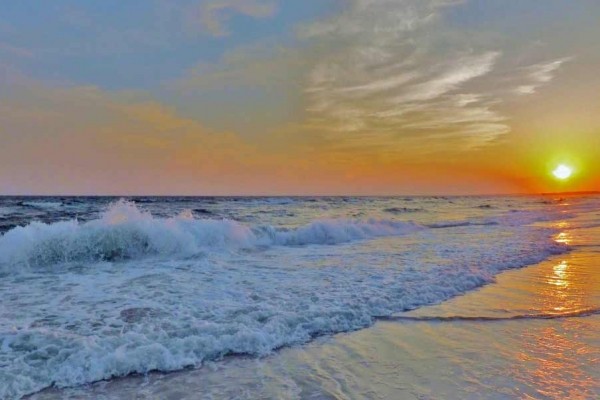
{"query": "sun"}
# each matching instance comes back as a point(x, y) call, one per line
point(562, 172)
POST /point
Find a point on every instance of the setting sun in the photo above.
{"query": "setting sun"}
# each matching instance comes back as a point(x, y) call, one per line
point(563, 172)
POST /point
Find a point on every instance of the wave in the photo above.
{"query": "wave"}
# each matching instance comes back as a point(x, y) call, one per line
point(336, 231)
point(513, 218)
point(462, 318)
point(458, 224)
point(126, 232)
point(203, 211)
point(50, 205)
point(402, 210)
point(6, 212)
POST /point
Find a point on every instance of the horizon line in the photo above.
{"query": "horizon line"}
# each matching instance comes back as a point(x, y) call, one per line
point(583, 192)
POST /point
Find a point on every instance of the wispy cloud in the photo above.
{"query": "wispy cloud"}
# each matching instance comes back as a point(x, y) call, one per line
point(384, 76)
point(538, 75)
point(214, 14)
point(451, 77)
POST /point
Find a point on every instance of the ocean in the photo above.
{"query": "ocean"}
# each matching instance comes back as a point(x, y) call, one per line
point(98, 288)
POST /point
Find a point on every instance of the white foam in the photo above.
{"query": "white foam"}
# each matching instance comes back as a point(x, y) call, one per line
point(53, 205)
point(126, 232)
point(339, 231)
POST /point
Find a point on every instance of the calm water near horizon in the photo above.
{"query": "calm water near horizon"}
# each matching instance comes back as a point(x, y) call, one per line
point(94, 289)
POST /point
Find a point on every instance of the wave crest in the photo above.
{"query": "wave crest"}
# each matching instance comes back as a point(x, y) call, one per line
point(125, 232)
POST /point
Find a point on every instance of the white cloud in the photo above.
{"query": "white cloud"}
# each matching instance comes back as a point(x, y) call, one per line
point(389, 74)
point(383, 74)
point(459, 72)
point(539, 75)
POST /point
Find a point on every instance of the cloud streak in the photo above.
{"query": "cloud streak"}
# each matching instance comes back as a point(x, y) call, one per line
point(385, 76)
point(541, 74)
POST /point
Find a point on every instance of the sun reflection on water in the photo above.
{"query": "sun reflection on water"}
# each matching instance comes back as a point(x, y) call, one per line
point(554, 349)
point(563, 238)
point(560, 276)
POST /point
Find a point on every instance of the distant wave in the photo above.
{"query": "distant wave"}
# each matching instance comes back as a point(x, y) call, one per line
point(402, 210)
point(126, 232)
point(43, 204)
point(336, 231)
point(512, 218)
point(456, 224)
point(203, 211)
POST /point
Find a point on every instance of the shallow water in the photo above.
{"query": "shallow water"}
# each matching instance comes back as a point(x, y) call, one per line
point(124, 291)
point(486, 354)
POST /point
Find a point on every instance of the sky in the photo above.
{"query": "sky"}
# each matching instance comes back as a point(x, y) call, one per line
point(284, 97)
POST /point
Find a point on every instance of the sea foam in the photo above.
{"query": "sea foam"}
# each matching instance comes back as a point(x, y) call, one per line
point(125, 232)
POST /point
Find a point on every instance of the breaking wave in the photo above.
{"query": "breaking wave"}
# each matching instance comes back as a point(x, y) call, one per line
point(126, 232)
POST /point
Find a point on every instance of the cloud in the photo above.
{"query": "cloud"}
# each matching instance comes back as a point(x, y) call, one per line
point(386, 19)
point(379, 76)
point(452, 76)
point(385, 79)
point(540, 74)
point(214, 14)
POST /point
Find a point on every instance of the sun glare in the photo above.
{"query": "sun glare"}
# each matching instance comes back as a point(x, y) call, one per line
point(563, 172)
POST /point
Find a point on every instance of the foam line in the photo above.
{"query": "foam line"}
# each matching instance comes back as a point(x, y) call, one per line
point(463, 318)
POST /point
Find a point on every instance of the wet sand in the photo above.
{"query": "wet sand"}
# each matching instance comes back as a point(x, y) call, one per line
point(534, 334)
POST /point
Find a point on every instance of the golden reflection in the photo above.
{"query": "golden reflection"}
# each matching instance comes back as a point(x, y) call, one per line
point(561, 225)
point(560, 275)
point(556, 352)
point(554, 348)
point(563, 238)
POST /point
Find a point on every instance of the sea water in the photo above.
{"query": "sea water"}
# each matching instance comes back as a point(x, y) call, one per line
point(98, 288)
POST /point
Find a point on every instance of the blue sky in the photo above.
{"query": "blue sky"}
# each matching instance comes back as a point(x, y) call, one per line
point(134, 44)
